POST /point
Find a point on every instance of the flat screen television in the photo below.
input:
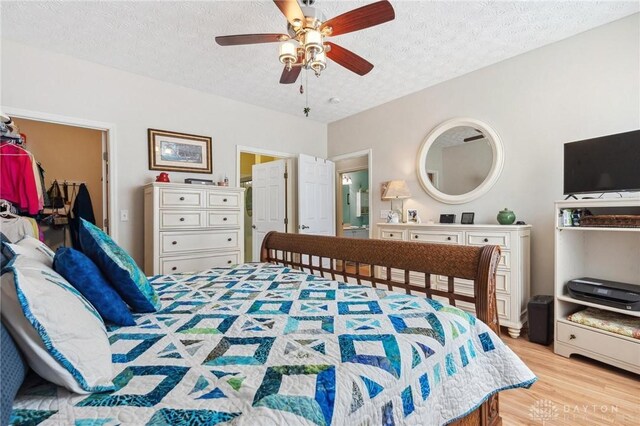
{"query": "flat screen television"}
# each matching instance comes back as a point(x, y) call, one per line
point(605, 164)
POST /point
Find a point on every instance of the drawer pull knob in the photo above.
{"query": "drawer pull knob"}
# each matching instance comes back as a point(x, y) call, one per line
point(572, 336)
point(448, 238)
point(224, 200)
point(229, 239)
point(174, 242)
point(415, 236)
point(224, 219)
point(175, 268)
point(182, 219)
point(229, 262)
point(486, 240)
point(181, 198)
point(391, 235)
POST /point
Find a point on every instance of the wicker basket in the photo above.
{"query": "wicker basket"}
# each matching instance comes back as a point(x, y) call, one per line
point(611, 221)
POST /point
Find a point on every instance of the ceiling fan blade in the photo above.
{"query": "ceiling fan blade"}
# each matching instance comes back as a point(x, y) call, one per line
point(234, 40)
point(348, 59)
point(361, 18)
point(290, 76)
point(473, 138)
point(291, 10)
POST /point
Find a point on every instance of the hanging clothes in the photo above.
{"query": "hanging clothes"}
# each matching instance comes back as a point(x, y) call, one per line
point(39, 187)
point(82, 208)
point(16, 228)
point(17, 178)
point(45, 196)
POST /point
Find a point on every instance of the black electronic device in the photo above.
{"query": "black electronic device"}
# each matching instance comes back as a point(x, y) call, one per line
point(604, 164)
point(603, 292)
point(467, 218)
point(447, 218)
point(199, 181)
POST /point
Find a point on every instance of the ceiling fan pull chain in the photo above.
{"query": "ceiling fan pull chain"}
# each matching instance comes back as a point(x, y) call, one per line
point(306, 109)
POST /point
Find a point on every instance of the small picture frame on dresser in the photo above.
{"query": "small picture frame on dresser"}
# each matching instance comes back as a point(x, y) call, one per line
point(412, 216)
point(467, 218)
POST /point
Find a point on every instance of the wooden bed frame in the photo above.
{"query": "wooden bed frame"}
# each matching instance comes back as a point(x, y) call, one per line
point(373, 262)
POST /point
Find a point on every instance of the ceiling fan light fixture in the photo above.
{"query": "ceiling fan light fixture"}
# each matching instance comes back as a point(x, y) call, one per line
point(318, 63)
point(304, 45)
point(313, 43)
point(288, 53)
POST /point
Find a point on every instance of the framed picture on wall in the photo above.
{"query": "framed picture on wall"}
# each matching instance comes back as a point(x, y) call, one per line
point(179, 152)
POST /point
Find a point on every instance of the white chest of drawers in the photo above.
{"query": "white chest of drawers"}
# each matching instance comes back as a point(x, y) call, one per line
point(512, 278)
point(189, 228)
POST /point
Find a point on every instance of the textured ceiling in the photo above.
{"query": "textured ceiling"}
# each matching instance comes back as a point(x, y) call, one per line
point(456, 136)
point(428, 42)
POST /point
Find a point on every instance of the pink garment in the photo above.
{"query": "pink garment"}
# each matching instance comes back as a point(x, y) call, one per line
point(17, 181)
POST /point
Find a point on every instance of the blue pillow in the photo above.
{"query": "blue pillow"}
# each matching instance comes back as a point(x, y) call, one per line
point(119, 268)
point(13, 371)
point(85, 276)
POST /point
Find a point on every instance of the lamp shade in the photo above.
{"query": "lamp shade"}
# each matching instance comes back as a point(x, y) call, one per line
point(288, 52)
point(396, 189)
point(313, 41)
point(319, 62)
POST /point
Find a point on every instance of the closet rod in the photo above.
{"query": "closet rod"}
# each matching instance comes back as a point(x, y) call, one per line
point(69, 182)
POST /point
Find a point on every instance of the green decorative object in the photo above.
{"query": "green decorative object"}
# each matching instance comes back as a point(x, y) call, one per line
point(506, 217)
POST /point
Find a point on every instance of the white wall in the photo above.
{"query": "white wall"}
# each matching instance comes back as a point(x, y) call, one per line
point(581, 87)
point(43, 81)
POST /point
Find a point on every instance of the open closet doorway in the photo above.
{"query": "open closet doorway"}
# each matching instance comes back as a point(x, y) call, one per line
point(250, 160)
point(353, 195)
point(75, 158)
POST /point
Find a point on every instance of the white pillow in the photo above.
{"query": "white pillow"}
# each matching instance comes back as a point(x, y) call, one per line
point(32, 248)
point(59, 332)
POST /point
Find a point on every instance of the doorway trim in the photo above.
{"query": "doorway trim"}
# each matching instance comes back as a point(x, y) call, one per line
point(110, 142)
point(356, 154)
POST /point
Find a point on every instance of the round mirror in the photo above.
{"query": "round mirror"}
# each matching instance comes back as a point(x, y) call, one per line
point(460, 160)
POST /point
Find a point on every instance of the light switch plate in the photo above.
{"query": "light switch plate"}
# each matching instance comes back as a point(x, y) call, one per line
point(124, 215)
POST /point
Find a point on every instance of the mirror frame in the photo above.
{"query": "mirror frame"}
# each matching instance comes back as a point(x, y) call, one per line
point(494, 173)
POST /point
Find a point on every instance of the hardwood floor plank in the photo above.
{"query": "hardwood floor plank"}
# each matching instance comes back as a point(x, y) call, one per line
point(570, 391)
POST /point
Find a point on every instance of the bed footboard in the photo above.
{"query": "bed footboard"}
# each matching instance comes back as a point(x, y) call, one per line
point(400, 265)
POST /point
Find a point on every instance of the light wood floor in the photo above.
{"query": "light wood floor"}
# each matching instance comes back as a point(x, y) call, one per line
point(569, 391)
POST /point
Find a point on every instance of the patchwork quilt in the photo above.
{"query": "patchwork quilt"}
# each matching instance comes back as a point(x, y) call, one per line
point(263, 345)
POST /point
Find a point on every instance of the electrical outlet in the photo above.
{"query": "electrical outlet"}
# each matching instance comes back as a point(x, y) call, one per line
point(124, 215)
point(384, 214)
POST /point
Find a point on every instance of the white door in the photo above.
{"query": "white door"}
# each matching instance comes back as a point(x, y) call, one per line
point(316, 196)
point(269, 201)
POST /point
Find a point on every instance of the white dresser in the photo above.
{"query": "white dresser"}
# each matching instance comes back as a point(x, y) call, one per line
point(191, 228)
point(512, 278)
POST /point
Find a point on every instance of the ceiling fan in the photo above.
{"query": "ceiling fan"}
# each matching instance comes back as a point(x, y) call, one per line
point(304, 45)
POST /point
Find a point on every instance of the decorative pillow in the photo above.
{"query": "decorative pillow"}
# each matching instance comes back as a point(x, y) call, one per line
point(61, 335)
point(119, 268)
point(14, 369)
point(32, 248)
point(85, 276)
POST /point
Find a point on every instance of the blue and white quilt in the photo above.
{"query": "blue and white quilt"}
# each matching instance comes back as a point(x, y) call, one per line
point(265, 345)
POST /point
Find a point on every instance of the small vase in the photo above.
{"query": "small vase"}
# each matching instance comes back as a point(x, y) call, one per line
point(506, 217)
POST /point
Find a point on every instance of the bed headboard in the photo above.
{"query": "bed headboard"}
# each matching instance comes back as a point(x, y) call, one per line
point(379, 263)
